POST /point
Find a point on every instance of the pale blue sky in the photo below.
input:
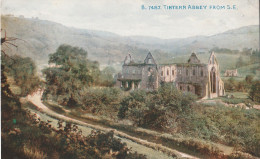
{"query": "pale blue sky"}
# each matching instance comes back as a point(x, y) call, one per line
point(125, 17)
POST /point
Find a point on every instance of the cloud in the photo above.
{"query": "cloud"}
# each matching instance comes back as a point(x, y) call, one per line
point(127, 18)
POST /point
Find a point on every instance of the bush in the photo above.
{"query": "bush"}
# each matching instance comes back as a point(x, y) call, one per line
point(242, 86)
point(156, 110)
point(239, 155)
point(106, 77)
point(23, 71)
point(101, 100)
point(31, 138)
point(133, 106)
point(231, 126)
point(254, 93)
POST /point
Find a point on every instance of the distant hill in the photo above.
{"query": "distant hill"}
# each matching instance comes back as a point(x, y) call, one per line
point(43, 37)
point(237, 39)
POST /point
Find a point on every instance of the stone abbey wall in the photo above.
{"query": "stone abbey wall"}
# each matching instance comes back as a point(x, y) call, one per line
point(195, 77)
point(168, 73)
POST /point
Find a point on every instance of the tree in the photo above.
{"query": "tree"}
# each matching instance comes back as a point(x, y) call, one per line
point(166, 104)
point(249, 79)
point(71, 73)
point(255, 56)
point(254, 93)
point(9, 102)
point(240, 62)
point(106, 77)
point(157, 109)
point(23, 71)
point(133, 106)
point(231, 84)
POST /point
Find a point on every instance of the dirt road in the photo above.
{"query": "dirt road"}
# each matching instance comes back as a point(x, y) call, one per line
point(151, 150)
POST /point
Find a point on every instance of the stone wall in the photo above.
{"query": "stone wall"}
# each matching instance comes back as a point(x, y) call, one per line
point(150, 80)
point(215, 84)
point(132, 72)
point(168, 73)
point(191, 74)
point(201, 79)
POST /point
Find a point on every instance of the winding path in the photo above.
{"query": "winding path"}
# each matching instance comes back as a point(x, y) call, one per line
point(150, 149)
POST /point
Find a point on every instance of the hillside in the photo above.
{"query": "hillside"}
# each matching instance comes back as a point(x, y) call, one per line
point(43, 37)
point(237, 39)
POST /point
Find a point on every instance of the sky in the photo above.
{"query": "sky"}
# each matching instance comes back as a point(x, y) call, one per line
point(126, 17)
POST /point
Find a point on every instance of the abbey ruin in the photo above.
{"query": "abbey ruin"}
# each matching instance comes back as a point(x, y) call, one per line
point(196, 77)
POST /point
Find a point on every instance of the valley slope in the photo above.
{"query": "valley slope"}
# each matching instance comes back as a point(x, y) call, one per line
point(42, 37)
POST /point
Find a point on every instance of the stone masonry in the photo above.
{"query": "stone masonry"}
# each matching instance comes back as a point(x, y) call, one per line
point(196, 77)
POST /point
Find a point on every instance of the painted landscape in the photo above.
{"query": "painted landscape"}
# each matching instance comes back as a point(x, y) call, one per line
point(79, 93)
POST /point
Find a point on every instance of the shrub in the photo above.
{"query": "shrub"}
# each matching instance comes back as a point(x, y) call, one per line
point(106, 77)
point(254, 93)
point(101, 100)
point(133, 106)
point(239, 155)
point(156, 109)
point(31, 138)
point(231, 126)
point(23, 71)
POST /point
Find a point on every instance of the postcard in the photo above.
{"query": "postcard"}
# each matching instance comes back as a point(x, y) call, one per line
point(132, 79)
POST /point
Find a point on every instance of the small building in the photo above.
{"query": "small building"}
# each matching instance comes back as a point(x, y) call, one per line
point(196, 77)
point(231, 73)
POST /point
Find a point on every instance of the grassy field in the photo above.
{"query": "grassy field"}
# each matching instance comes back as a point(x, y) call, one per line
point(235, 78)
point(249, 70)
point(242, 95)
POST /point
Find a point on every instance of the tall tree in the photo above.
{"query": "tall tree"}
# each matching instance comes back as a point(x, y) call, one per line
point(69, 73)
